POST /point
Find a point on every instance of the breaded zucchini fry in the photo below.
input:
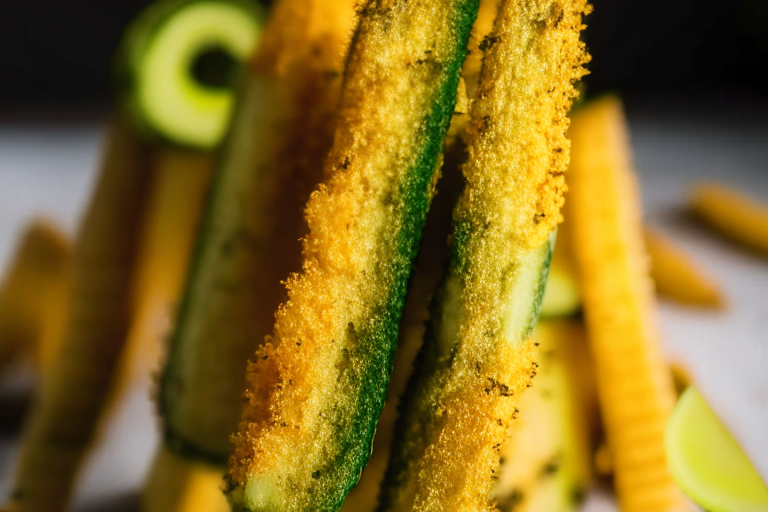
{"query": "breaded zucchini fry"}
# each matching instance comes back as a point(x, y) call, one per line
point(250, 236)
point(248, 243)
point(478, 356)
point(317, 387)
point(732, 213)
point(76, 385)
point(426, 276)
point(677, 277)
point(634, 383)
point(31, 291)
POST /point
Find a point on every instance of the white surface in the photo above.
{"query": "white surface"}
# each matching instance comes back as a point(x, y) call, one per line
point(47, 169)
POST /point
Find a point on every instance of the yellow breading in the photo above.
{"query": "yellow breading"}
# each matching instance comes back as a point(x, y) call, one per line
point(427, 274)
point(546, 460)
point(483, 27)
point(479, 360)
point(734, 214)
point(349, 254)
point(634, 383)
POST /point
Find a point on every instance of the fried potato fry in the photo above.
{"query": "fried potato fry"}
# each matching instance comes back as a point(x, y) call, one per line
point(634, 382)
point(733, 214)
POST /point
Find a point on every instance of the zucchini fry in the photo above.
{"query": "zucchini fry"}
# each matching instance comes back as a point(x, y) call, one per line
point(76, 386)
point(478, 356)
point(266, 172)
point(546, 460)
point(426, 276)
point(677, 277)
point(31, 292)
point(250, 235)
point(634, 383)
point(733, 214)
point(317, 387)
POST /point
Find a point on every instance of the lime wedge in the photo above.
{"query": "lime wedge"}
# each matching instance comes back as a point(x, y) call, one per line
point(707, 463)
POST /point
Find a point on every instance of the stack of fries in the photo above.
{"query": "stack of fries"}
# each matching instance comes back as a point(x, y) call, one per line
point(360, 266)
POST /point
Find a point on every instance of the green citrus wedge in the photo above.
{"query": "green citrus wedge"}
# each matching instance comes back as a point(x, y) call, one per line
point(707, 462)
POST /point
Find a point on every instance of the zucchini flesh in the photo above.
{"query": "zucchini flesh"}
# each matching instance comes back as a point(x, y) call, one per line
point(178, 64)
point(249, 239)
point(634, 384)
point(316, 389)
point(478, 357)
point(546, 459)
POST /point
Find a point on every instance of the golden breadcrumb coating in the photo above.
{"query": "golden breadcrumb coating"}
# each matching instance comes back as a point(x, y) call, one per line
point(251, 234)
point(364, 221)
point(477, 361)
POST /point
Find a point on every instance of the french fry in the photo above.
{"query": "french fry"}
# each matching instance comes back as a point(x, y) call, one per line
point(30, 293)
point(733, 214)
point(677, 277)
point(76, 386)
point(634, 383)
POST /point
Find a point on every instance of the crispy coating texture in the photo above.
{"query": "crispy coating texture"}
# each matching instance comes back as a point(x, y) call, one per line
point(477, 359)
point(634, 383)
point(546, 458)
point(323, 372)
point(251, 234)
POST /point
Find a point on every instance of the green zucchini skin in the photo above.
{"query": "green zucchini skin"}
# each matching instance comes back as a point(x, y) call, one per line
point(130, 55)
point(435, 368)
point(337, 445)
point(198, 416)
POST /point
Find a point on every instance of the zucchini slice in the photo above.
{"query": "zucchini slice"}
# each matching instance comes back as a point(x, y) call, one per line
point(316, 389)
point(249, 239)
point(478, 356)
point(76, 385)
point(179, 64)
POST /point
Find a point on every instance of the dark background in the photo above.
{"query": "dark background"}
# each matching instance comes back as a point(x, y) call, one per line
point(57, 52)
